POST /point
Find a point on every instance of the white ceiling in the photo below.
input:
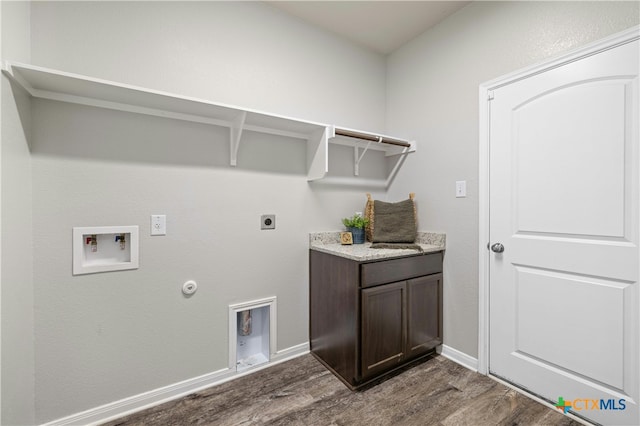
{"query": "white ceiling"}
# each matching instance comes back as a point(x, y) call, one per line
point(381, 26)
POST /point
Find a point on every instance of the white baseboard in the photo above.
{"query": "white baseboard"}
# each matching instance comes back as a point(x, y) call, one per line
point(164, 394)
point(460, 357)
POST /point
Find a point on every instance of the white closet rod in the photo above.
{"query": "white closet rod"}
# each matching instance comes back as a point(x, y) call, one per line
point(372, 138)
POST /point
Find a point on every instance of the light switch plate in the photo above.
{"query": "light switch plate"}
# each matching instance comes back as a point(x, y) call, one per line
point(158, 224)
point(461, 189)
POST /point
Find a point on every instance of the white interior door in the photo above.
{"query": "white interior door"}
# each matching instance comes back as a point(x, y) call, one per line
point(564, 182)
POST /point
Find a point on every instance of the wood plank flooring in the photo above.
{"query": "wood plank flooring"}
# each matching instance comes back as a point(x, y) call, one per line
point(301, 391)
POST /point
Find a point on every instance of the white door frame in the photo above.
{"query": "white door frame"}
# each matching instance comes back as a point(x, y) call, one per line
point(486, 89)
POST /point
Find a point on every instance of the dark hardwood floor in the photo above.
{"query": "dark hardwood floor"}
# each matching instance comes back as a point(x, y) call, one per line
point(301, 391)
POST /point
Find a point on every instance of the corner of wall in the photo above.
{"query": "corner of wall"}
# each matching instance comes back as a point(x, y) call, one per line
point(17, 351)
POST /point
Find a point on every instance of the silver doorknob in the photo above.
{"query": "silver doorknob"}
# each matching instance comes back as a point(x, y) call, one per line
point(497, 248)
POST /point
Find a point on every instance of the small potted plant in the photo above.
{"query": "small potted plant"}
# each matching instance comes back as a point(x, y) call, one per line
point(355, 224)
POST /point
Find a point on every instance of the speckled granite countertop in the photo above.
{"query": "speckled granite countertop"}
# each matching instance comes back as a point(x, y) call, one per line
point(329, 242)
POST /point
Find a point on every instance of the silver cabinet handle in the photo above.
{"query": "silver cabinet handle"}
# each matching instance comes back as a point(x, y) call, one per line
point(497, 248)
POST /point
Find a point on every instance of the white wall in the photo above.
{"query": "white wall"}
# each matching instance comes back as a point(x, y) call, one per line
point(247, 54)
point(432, 91)
point(103, 337)
point(16, 295)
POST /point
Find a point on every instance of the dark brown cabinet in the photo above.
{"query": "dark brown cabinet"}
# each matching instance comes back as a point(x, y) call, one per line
point(368, 318)
point(384, 325)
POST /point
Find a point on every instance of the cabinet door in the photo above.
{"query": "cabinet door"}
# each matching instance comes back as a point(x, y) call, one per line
point(424, 314)
point(383, 333)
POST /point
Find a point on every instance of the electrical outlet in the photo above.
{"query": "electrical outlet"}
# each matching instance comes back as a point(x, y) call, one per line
point(268, 221)
point(158, 224)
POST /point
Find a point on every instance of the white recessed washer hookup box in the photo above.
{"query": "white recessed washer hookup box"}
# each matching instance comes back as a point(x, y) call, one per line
point(104, 249)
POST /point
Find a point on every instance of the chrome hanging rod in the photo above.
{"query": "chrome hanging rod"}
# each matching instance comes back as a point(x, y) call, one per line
point(372, 138)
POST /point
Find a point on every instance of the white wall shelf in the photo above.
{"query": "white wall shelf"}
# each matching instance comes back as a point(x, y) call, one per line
point(62, 86)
